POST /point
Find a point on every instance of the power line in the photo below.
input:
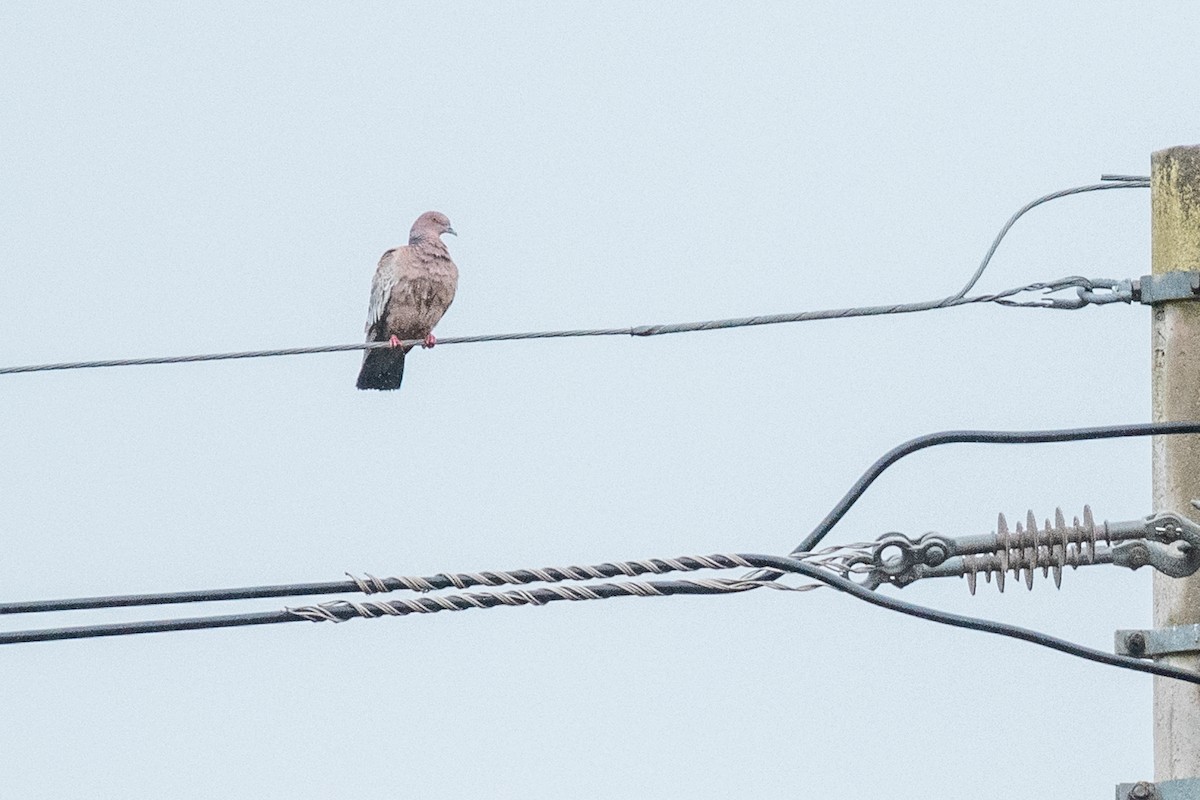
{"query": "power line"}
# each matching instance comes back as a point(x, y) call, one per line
point(804, 551)
point(1085, 286)
point(458, 580)
point(1085, 295)
point(611, 569)
point(345, 610)
point(769, 569)
point(983, 437)
point(340, 611)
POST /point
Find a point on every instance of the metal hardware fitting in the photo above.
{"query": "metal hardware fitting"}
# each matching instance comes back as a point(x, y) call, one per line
point(1151, 289)
point(1158, 641)
point(1168, 542)
point(1181, 789)
point(1117, 292)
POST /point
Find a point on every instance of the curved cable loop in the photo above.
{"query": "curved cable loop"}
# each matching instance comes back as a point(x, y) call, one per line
point(1111, 182)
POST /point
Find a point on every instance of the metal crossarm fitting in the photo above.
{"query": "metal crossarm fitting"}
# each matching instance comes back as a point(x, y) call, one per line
point(1179, 789)
point(1168, 542)
point(1151, 289)
point(1159, 641)
point(1148, 290)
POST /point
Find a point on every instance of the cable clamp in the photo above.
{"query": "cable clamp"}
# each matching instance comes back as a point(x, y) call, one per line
point(1114, 291)
point(1171, 546)
point(1179, 285)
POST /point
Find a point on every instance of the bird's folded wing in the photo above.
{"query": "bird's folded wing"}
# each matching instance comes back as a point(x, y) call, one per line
point(386, 275)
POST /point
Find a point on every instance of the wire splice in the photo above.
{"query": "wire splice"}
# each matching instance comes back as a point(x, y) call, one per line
point(541, 596)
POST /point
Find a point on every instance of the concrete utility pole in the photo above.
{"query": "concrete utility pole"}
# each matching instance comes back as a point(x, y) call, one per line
point(1175, 385)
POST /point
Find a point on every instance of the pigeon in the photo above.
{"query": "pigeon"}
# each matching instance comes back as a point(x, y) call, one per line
point(412, 288)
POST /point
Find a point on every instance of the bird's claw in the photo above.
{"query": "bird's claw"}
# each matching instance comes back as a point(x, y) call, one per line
point(394, 342)
point(430, 341)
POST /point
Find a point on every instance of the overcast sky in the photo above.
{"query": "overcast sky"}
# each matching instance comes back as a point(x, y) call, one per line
point(225, 176)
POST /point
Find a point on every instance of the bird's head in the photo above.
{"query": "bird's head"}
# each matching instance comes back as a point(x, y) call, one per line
point(430, 225)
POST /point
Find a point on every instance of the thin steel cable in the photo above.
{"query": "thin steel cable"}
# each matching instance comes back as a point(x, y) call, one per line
point(1113, 182)
point(1108, 176)
point(1000, 298)
point(344, 610)
point(957, 299)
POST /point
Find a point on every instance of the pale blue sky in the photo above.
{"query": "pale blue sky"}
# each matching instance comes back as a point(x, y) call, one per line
point(225, 177)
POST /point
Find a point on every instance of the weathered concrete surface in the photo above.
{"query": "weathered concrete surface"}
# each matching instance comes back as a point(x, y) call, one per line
point(1175, 343)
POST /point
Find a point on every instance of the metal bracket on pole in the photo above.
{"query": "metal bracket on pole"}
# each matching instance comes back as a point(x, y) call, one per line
point(1159, 642)
point(1151, 289)
point(1182, 789)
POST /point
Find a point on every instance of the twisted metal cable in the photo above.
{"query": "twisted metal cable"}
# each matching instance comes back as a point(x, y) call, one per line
point(343, 610)
point(462, 580)
point(540, 596)
point(835, 558)
point(340, 611)
point(1085, 291)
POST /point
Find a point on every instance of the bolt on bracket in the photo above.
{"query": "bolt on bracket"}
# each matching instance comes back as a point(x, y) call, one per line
point(1152, 289)
point(1181, 789)
point(1158, 642)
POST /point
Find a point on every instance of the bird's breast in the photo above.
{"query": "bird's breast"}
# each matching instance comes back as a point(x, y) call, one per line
point(420, 300)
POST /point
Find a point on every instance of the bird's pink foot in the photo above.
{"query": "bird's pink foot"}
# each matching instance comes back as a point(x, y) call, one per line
point(394, 342)
point(430, 341)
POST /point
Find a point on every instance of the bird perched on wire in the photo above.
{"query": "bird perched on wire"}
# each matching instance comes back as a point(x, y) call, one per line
point(412, 288)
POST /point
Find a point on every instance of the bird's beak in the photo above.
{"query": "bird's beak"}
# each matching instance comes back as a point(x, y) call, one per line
point(451, 231)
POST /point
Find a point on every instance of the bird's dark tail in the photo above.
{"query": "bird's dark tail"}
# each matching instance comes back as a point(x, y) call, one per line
point(382, 368)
